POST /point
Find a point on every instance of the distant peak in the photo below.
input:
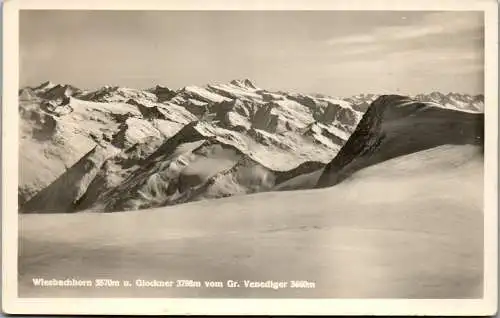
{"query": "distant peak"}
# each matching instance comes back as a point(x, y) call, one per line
point(46, 84)
point(244, 83)
point(109, 88)
point(161, 87)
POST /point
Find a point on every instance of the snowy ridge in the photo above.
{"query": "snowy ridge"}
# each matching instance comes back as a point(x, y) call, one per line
point(396, 125)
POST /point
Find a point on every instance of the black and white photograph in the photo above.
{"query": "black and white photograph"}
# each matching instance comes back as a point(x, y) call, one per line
point(286, 155)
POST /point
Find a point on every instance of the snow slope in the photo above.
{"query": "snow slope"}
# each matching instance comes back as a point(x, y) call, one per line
point(353, 240)
point(64, 193)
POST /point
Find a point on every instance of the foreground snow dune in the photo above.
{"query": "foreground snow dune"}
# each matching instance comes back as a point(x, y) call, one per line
point(409, 227)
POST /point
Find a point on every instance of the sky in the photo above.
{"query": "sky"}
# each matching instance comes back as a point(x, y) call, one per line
point(340, 53)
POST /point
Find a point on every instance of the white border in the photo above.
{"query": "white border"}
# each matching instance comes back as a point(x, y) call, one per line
point(13, 305)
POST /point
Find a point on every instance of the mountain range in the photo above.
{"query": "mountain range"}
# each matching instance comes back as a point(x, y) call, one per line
point(117, 148)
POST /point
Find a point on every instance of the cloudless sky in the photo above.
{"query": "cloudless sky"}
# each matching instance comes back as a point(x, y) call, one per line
point(333, 52)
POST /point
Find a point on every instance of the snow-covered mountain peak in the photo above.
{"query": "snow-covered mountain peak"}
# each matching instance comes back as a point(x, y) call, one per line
point(109, 93)
point(244, 83)
point(160, 87)
point(44, 86)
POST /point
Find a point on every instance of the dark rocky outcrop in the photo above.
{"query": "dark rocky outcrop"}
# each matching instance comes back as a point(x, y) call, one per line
point(265, 119)
point(334, 112)
point(304, 168)
point(45, 126)
point(163, 93)
point(148, 112)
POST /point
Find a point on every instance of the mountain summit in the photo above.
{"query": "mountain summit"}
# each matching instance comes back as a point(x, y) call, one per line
point(246, 83)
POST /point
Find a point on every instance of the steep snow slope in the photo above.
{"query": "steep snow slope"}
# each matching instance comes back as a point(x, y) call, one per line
point(424, 240)
point(64, 194)
point(396, 125)
point(48, 146)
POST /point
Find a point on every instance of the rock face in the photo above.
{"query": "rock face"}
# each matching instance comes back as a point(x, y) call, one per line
point(264, 119)
point(116, 148)
point(396, 125)
point(26, 94)
point(336, 113)
point(163, 93)
point(148, 112)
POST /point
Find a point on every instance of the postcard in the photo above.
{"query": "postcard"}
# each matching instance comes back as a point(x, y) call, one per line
point(250, 158)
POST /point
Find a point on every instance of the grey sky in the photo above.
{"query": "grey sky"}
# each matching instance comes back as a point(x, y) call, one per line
point(332, 52)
